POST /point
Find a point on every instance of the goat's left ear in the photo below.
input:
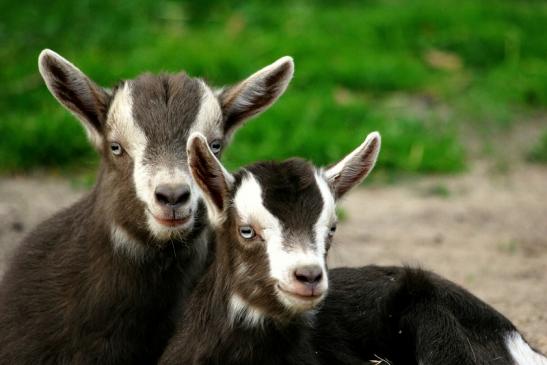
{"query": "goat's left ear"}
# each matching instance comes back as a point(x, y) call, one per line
point(255, 94)
point(353, 168)
point(212, 178)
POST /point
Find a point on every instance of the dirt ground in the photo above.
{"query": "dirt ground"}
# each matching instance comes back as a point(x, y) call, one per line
point(486, 232)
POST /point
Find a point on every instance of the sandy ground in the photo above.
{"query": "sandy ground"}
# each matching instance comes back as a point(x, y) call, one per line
point(486, 232)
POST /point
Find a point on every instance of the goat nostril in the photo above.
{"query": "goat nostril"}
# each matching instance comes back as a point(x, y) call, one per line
point(184, 197)
point(161, 198)
point(172, 195)
point(309, 274)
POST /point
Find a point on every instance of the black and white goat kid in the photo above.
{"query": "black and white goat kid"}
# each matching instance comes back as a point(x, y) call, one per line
point(96, 283)
point(273, 226)
point(260, 301)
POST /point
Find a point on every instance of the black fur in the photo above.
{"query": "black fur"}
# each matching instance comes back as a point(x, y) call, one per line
point(407, 316)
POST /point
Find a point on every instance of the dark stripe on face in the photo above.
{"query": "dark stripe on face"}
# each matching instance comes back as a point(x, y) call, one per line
point(165, 107)
point(290, 192)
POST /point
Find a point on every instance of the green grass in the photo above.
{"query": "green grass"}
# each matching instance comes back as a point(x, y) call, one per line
point(351, 58)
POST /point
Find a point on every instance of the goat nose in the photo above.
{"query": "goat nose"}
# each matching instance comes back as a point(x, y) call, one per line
point(172, 196)
point(310, 275)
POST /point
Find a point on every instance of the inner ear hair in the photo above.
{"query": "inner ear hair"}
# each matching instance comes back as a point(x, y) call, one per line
point(76, 92)
point(256, 93)
point(355, 167)
point(208, 172)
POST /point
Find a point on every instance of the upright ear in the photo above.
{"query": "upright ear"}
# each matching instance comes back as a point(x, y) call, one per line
point(212, 178)
point(255, 94)
point(353, 168)
point(76, 92)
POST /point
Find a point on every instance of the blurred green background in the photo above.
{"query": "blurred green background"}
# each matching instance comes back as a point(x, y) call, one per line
point(445, 82)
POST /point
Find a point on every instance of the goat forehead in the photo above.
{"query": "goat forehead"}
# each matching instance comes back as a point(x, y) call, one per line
point(290, 193)
point(168, 108)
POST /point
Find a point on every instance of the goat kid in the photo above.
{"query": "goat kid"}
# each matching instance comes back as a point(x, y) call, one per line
point(401, 315)
point(273, 226)
point(96, 283)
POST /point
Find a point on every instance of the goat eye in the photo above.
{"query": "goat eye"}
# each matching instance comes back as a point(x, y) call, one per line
point(216, 146)
point(247, 232)
point(332, 230)
point(116, 148)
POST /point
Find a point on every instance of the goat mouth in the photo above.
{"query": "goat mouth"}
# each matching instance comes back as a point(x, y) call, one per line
point(173, 222)
point(313, 296)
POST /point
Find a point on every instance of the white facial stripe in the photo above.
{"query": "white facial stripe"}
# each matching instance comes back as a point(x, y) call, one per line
point(521, 352)
point(123, 125)
point(123, 128)
point(327, 216)
point(249, 205)
point(250, 208)
point(209, 117)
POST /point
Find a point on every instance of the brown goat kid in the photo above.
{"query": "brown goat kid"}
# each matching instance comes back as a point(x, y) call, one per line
point(97, 283)
point(273, 224)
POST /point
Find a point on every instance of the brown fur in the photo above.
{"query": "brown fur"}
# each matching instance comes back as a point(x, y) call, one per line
point(69, 298)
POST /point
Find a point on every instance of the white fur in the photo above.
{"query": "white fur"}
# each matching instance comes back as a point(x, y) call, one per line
point(240, 311)
point(170, 175)
point(346, 164)
point(521, 352)
point(125, 244)
point(122, 126)
point(249, 205)
point(125, 130)
point(328, 214)
point(209, 117)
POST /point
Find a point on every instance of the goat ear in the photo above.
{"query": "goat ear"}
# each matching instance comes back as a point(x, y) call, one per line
point(255, 94)
point(353, 168)
point(76, 92)
point(212, 178)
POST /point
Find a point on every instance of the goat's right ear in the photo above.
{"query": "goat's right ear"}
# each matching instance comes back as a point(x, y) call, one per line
point(353, 168)
point(212, 178)
point(76, 92)
point(255, 94)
